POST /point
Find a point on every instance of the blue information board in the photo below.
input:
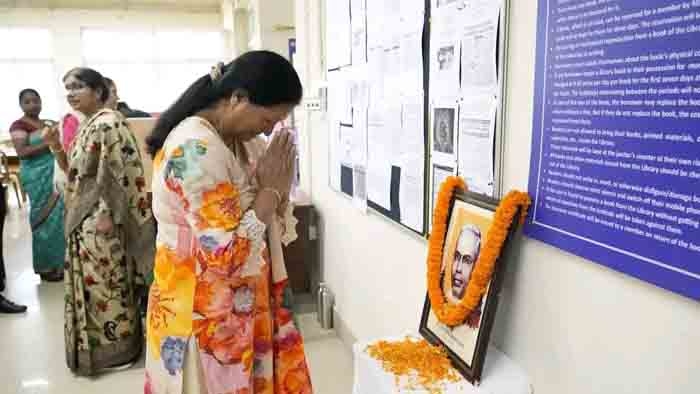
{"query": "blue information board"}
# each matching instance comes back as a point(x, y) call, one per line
point(615, 168)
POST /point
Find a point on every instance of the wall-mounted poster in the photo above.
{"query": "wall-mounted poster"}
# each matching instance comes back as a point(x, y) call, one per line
point(467, 51)
point(444, 66)
point(615, 164)
point(477, 128)
point(338, 34)
point(377, 106)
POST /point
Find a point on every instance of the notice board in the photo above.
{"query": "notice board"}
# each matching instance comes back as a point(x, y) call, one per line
point(467, 67)
point(615, 166)
point(414, 95)
point(376, 78)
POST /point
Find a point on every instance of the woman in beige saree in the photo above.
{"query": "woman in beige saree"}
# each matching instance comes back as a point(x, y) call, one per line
point(110, 233)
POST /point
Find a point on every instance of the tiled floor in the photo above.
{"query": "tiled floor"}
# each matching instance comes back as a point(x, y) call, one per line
point(31, 346)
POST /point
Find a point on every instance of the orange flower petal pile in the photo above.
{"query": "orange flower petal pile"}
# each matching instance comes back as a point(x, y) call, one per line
point(455, 314)
point(425, 366)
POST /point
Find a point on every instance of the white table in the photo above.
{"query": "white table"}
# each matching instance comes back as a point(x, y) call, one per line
point(501, 376)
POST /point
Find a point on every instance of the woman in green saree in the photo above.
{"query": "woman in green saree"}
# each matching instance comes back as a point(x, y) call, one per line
point(36, 176)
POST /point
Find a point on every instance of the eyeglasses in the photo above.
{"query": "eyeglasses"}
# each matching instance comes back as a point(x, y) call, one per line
point(75, 87)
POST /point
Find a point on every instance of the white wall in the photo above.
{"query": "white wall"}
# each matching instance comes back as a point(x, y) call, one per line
point(575, 327)
point(268, 16)
point(66, 25)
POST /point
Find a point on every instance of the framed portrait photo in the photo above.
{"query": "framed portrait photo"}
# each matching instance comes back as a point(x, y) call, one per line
point(444, 133)
point(468, 224)
point(444, 122)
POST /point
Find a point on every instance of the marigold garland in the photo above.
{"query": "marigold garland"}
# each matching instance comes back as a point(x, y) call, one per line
point(425, 366)
point(454, 314)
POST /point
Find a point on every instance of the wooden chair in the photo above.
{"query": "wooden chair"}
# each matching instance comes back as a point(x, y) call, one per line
point(9, 177)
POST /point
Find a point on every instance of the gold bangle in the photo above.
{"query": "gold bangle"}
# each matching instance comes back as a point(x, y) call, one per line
point(59, 150)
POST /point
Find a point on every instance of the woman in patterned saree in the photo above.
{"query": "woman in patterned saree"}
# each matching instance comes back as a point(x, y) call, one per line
point(36, 175)
point(215, 322)
point(110, 232)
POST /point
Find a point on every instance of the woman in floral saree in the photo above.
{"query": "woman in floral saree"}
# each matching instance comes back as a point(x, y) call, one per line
point(110, 232)
point(215, 320)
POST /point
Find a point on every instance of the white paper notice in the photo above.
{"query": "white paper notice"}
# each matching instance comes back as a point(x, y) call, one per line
point(334, 156)
point(412, 161)
point(447, 20)
point(391, 27)
point(444, 133)
point(477, 118)
point(379, 158)
point(360, 97)
point(376, 66)
point(479, 58)
point(412, 14)
point(347, 139)
point(375, 24)
point(360, 93)
point(340, 96)
point(440, 173)
point(444, 66)
point(338, 34)
point(392, 123)
point(411, 57)
point(442, 4)
point(392, 69)
point(412, 140)
point(358, 11)
point(476, 11)
point(411, 197)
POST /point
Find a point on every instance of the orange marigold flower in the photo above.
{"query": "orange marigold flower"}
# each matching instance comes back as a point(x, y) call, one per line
point(455, 314)
point(424, 366)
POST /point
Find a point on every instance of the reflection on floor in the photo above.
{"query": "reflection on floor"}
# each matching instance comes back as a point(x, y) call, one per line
point(32, 359)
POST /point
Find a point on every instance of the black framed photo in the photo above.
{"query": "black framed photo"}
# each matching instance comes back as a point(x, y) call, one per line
point(469, 220)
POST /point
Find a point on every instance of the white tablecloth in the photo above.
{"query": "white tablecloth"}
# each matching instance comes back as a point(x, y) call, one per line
point(501, 376)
